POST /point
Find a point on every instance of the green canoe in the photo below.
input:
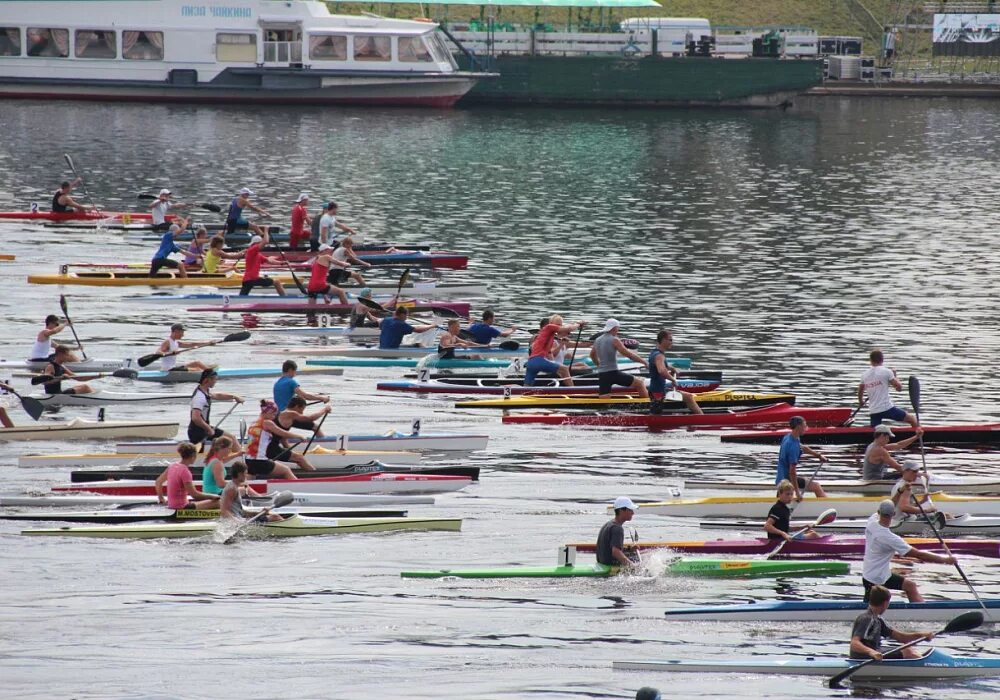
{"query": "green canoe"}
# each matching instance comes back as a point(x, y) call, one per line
point(714, 568)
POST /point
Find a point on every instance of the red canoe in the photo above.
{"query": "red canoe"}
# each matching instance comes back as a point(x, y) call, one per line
point(75, 215)
point(304, 307)
point(972, 434)
point(775, 414)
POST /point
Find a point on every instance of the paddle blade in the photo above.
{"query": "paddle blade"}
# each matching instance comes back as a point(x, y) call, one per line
point(403, 279)
point(33, 407)
point(465, 334)
point(284, 498)
point(147, 360)
point(372, 304)
point(62, 299)
point(826, 517)
point(147, 197)
point(510, 345)
point(235, 337)
point(914, 388)
point(208, 206)
point(125, 373)
point(69, 162)
point(444, 312)
point(964, 622)
point(40, 379)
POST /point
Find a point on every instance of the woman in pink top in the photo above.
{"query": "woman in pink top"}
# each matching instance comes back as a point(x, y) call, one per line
point(180, 483)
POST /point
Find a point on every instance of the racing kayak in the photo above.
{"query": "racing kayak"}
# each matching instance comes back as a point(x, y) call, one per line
point(394, 353)
point(971, 434)
point(711, 568)
point(445, 308)
point(954, 484)
point(495, 363)
point(767, 415)
point(87, 366)
point(109, 398)
point(326, 500)
point(581, 378)
point(124, 516)
point(186, 376)
point(392, 441)
point(355, 483)
point(89, 215)
point(80, 429)
point(933, 665)
point(959, 526)
point(827, 546)
point(809, 507)
point(116, 278)
point(150, 472)
point(426, 289)
point(705, 396)
point(293, 526)
point(820, 610)
point(694, 386)
point(318, 456)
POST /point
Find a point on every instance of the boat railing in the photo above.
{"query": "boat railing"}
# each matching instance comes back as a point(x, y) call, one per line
point(282, 52)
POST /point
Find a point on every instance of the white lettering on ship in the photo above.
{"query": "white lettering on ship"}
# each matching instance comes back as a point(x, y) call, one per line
point(216, 11)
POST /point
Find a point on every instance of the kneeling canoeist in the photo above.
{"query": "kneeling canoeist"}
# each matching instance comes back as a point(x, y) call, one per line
point(200, 427)
point(234, 218)
point(879, 464)
point(395, 328)
point(790, 455)
point(212, 260)
point(881, 544)
point(611, 538)
point(287, 386)
point(660, 372)
point(268, 443)
point(170, 347)
point(449, 340)
point(298, 232)
point(62, 202)
point(484, 332)
point(869, 629)
point(213, 474)
point(541, 346)
point(167, 247)
point(57, 370)
point(159, 207)
point(876, 382)
point(326, 276)
point(251, 272)
point(344, 256)
point(605, 353)
point(231, 505)
point(294, 416)
point(180, 483)
point(43, 349)
point(779, 518)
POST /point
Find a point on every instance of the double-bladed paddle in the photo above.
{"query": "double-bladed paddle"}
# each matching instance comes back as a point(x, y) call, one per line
point(961, 623)
point(825, 518)
point(403, 279)
point(208, 206)
point(65, 309)
point(281, 499)
point(33, 407)
point(50, 379)
point(147, 360)
point(442, 311)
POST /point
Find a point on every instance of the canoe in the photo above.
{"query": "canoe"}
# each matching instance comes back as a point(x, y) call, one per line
point(89, 215)
point(767, 415)
point(142, 230)
point(971, 434)
point(494, 363)
point(124, 516)
point(959, 526)
point(694, 386)
point(933, 665)
point(827, 546)
point(168, 278)
point(810, 507)
point(708, 398)
point(392, 441)
point(327, 500)
point(953, 484)
point(150, 472)
point(109, 398)
point(711, 568)
point(448, 308)
point(355, 483)
point(80, 429)
point(319, 456)
point(293, 526)
point(185, 376)
point(366, 352)
point(581, 378)
point(84, 366)
point(425, 289)
point(819, 610)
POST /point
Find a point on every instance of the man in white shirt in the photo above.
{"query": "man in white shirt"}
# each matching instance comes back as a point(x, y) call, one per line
point(881, 544)
point(159, 208)
point(328, 222)
point(876, 382)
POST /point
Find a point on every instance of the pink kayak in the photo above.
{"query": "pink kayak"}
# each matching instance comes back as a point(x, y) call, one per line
point(445, 308)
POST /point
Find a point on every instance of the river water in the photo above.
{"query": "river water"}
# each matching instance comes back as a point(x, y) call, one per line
point(779, 246)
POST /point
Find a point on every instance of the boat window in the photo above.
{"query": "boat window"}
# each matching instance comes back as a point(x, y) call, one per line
point(372, 48)
point(412, 49)
point(10, 41)
point(142, 46)
point(236, 48)
point(48, 43)
point(96, 43)
point(327, 48)
point(439, 49)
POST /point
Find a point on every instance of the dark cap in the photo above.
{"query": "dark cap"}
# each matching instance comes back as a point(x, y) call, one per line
point(795, 421)
point(207, 374)
point(177, 327)
point(648, 693)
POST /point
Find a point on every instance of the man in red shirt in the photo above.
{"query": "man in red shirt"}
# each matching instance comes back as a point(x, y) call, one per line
point(299, 233)
point(254, 259)
point(538, 360)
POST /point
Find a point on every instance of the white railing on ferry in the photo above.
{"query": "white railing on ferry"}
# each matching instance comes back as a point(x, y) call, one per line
point(282, 52)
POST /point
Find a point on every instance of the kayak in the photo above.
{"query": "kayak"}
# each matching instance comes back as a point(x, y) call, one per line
point(495, 363)
point(581, 378)
point(827, 546)
point(89, 215)
point(83, 367)
point(293, 526)
point(712, 568)
point(767, 415)
point(355, 483)
point(109, 398)
point(819, 610)
point(972, 434)
point(318, 456)
point(959, 526)
point(80, 429)
point(394, 353)
point(933, 665)
point(707, 397)
point(810, 507)
point(694, 386)
point(445, 308)
point(117, 278)
point(426, 289)
point(327, 500)
point(185, 376)
point(392, 441)
point(954, 484)
point(150, 472)
point(169, 515)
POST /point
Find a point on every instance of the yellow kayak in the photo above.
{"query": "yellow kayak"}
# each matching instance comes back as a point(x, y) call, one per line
point(722, 399)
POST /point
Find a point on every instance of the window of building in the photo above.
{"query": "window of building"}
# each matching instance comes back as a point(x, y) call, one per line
point(96, 43)
point(142, 45)
point(48, 43)
point(372, 48)
point(324, 47)
point(236, 48)
point(10, 41)
point(412, 49)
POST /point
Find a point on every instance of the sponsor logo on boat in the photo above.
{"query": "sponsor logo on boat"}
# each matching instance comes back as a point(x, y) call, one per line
point(223, 11)
point(734, 565)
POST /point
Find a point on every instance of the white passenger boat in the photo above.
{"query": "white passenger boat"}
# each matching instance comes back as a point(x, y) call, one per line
point(262, 51)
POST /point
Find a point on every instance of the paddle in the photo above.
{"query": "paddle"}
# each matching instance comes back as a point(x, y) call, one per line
point(572, 357)
point(33, 407)
point(69, 162)
point(281, 500)
point(312, 437)
point(214, 208)
point(403, 279)
point(442, 311)
point(147, 360)
point(49, 379)
point(855, 412)
point(961, 623)
point(228, 413)
point(65, 310)
point(825, 518)
point(298, 282)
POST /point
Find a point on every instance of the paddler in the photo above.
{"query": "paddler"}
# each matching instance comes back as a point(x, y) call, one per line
point(326, 276)
point(484, 332)
point(287, 386)
point(879, 464)
point(395, 328)
point(172, 345)
point(604, 354)
point(4, 418)
point(876, 382)
point(328, 222)
point(43, 349)
point(660, 372)
point(779, 518)
point(790, 455)
point(200, 427)
point(611, 538)
point(869, 629)
point(344, 256)
point(881, 544)
point(298, 233)
point(903, 497)
point(167, 247)
point(62, 202)
point(194, 257)
point(231, 504)
point(56, 368)
point(251, 272)
point(216, 253)
point(295, 416)
point(213, 474)
point(538, 355)
point(234, 218)
point(361, 315)
point(449, 340)
point(180, 483)
point(268, 442)
point(159, 208)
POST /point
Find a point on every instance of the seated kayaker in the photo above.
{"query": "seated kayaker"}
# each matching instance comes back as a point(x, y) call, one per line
point(56, 369)
point(213, 474)
point(395, 328)
point(483, 332)
point(212, 260)
point(268, 454)
point(361, 315)
point(903, 497)
point(869, 629)
point(789, 456)
point(4, 418)
point(538, 356)
point(779, 518)
point(294, 416)
point(287, 386)
point(611, 538)
point(43, 349)
point(169, 348)
point(605, 353)
point(180, 483)
point(881, 544)
point(660, 373)
point(449, 340)
point(879, 463)
point(231, 504)
point(63, 202)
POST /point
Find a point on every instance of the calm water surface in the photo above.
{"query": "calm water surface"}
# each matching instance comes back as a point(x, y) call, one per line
point(779, 246)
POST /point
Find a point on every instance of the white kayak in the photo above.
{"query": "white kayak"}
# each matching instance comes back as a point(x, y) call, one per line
point(952, 484)
point(432, 289)
point(109, 398)
point(392, 441)
point(959, 526)
point(298, 498)
point(832, 610)
point(404, 352)
point(192, 377)
point(320, 457)
point(91, 365)
point(81, 429)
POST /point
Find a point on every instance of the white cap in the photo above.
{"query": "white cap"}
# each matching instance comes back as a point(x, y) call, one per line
point(910, 465)
point(625, 502)
point(164, 191)
point(302, 197)
point(325, 246)
point(611, 324)
point(883, 429)
point(255, 239)
point(887, 508)
point(246, 190)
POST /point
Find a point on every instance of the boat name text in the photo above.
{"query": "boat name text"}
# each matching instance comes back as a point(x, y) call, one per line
point(216, 11)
